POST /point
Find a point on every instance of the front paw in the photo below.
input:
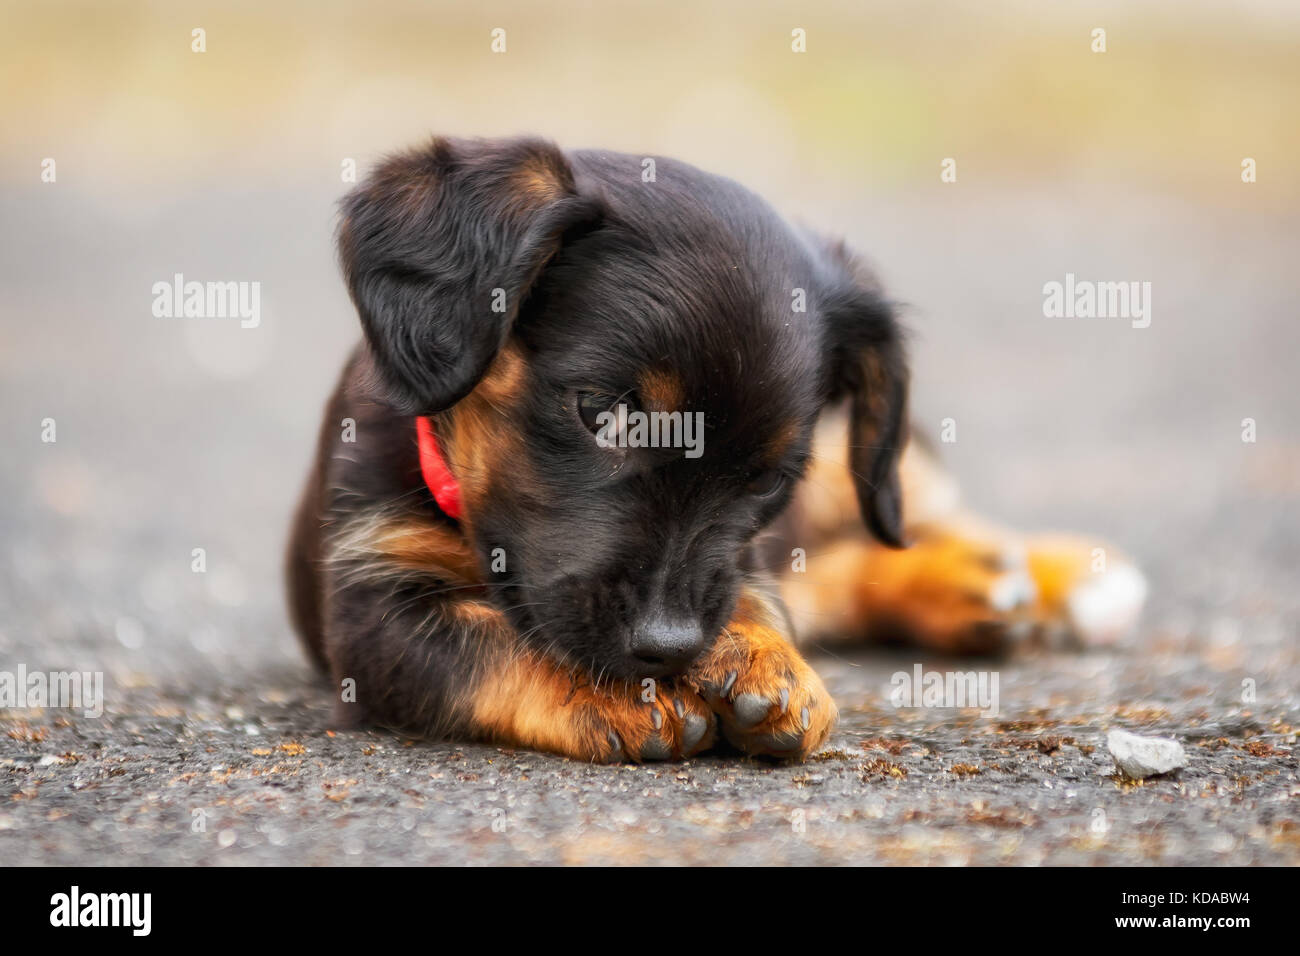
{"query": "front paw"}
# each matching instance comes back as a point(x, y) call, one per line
point(622, 725)
point(769, 701)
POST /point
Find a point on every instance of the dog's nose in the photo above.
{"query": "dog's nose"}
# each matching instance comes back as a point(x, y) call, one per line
point(663, 646)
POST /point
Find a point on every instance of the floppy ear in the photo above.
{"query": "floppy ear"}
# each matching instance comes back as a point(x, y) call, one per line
point(439, 248)
point(869, 363)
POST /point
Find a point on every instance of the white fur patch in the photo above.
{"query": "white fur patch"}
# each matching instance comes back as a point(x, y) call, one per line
point(1104, 607)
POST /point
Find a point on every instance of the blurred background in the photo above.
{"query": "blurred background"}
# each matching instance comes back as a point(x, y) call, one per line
point(226, 165)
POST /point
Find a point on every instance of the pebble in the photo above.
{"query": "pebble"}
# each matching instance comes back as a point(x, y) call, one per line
point(1142, 757)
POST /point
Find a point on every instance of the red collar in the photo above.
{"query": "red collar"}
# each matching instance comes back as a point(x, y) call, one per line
point(442, 483)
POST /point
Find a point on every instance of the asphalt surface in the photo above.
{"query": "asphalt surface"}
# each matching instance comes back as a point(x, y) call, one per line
point(212, 749)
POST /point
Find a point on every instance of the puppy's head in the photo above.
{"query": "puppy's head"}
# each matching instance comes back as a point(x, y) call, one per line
point(624, 375)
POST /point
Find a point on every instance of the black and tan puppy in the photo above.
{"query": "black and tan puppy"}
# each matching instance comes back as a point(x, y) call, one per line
point(475, 557)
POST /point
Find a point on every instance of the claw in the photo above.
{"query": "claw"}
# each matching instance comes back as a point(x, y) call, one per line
point(615, 744)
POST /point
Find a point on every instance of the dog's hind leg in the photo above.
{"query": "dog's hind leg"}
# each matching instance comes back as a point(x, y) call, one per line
point(963, 585)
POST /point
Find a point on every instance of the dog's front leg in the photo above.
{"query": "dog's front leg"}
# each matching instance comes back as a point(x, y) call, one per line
point(430, 664)
point(769, 700)
point(525, 699)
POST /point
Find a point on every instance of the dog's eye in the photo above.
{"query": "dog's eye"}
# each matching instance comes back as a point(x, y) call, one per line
point(591, 405)
point(767, 484)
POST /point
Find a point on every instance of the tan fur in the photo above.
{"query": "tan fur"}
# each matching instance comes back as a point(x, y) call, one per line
point(661, 390)
point(940, 592)
point(775, 449)
point(384, 545)
point(478, 436)
point(528, 700)
point(754, 655)
point(537, 182)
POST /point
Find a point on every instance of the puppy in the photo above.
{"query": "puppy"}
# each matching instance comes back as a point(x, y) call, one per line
point(493, 546)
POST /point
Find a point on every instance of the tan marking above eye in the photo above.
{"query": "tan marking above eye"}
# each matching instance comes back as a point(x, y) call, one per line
point(779, 444)
point(538, 181)
point(661, 390)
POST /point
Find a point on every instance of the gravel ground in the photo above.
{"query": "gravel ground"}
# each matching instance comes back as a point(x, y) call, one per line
point(248, 777)
point(211, 749)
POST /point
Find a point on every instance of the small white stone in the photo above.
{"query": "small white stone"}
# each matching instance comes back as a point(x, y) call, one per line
point(1141, 757)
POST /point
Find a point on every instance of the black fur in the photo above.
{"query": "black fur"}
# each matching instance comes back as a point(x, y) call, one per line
point(605, 277)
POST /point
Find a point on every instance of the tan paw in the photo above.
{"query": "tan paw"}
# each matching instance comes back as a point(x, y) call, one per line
point(1088, 592)
point(971, 593)
point(968, 589)
point(953, 592)
point(533, 702)
point(770, 702)
point(621, 725)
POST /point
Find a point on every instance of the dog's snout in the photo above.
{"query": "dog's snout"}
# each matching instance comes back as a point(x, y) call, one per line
point(664, 645)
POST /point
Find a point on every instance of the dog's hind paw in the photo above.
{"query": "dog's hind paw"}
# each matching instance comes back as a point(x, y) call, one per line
point(970, 590)
point(994, 594)
point(1088, 594)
